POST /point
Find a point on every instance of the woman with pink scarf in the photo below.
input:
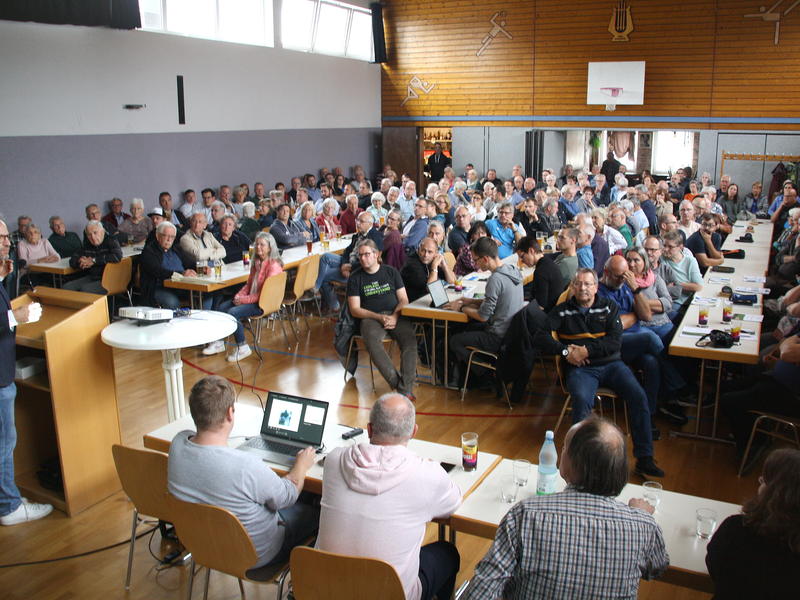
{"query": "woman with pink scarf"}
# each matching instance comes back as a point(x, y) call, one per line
point(654, 288)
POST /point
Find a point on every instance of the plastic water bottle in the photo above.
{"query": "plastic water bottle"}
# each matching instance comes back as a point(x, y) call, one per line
point(548, 469)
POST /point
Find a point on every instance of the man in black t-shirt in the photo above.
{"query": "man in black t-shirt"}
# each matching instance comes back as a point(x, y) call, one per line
point(705, 243)
point(376, 295)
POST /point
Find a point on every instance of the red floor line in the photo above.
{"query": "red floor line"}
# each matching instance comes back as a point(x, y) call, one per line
point(427, 414)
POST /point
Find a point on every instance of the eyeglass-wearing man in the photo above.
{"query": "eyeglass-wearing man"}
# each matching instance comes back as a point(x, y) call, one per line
point(503, 229)
point(376, 294)
point(685, 269)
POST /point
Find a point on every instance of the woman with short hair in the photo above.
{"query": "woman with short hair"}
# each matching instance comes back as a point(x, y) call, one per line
point(33, 248)
point(139, 225)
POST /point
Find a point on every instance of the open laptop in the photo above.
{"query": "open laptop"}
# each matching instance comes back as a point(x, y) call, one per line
point(290, 424)
point(438, 294)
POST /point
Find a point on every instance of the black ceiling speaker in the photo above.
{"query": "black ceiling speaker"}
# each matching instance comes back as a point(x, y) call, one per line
point(378, 37)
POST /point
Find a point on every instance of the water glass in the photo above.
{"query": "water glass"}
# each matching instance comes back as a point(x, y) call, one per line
point(652, 493)
point(508, 488)
point(522, 471)
point(705, 522)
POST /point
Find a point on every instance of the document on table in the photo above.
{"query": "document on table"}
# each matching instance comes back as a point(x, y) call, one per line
point(704, 301)
point(473, 295)
point(743, 317)
point(476, 277)
point(754, 279)
point(722, 280)
point(750, 290)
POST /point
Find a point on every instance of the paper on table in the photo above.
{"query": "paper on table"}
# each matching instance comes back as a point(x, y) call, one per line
point(743, 317)
point(702, 301)
point(751, 290)
point(719, 280)
point(754, 279)
point(473, 295)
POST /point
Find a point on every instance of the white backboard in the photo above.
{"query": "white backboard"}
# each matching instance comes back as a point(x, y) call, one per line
point(620, 82)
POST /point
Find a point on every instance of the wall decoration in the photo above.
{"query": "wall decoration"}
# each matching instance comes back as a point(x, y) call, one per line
point(645, 140)
point(621, 24)
point(769, 16)
point(411, 93)
point(497, 29)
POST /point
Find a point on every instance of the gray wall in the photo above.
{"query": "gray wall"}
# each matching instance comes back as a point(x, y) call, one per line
point(43, 176)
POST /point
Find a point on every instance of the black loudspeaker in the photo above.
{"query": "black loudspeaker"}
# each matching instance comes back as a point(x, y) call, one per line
point(378, 36)
point(534, 153)
point(181, 107)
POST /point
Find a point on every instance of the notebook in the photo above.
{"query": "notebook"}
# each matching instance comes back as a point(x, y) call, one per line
point(438, 294)
point(290, 424)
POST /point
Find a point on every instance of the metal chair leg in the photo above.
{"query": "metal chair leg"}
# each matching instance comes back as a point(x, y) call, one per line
point(563, 412)
point(191, 581)
point(208, 578)
point(241, 588)
point(466, 377)
point(130, 553)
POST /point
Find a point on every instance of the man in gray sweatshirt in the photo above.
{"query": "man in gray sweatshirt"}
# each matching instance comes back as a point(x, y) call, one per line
point(493, 313)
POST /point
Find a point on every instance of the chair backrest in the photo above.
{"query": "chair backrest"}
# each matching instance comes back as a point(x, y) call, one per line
point(265, 230)
point(312, 272)
point(450, 259)
point(143, 475)
point(563, 296)
point(272, 292)
point(318, 575)
point(117, 276)
point(300, 280)
point(214, 536)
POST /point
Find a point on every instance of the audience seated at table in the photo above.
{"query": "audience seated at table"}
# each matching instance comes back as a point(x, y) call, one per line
point(393, 252)
point(93, 214)
point(159, 260)
point(66, 243)
point(503, 229)
point(232, 240)
point(756, 554)
point(156, 216)
point(548, 283)
point(579, 543)
point(425, 266)
point(705, 243)
point(175, 217)
point(327, 221)
point(264, 263)
point(378, 497)
point(248, 224)
point(615, 240)
point(137, 224)
point(458, 235)
point(32, 249)
point(201, 245)
point(347, 218)
point(286, 231)
point(97, 251)
point(203, 469)
point(464, 262)
point(686, 271)
point(307, 222)
point(115, 217)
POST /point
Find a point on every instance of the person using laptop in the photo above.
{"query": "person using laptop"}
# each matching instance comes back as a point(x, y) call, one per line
point(203, 469)
point(424, 267)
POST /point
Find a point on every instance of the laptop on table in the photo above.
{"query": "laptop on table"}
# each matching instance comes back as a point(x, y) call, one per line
point(290, 424)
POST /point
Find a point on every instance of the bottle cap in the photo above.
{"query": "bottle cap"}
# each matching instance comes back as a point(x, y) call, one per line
point(548, 435)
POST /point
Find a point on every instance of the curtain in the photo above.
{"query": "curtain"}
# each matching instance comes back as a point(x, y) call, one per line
point(623, 143)
point(117, 14)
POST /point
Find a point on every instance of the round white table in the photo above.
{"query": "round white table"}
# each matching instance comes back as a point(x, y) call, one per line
point(200, 327)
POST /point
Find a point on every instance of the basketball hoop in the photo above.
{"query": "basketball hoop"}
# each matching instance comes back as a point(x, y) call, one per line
point(612, 93)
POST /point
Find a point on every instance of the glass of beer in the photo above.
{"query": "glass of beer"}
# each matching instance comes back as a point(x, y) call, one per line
point(469, 451)
point(201, 267)
point(130, 239)
point(383, 220)
point(338, 230)
point(309, 245)
point(322, 235)
point(218, 269)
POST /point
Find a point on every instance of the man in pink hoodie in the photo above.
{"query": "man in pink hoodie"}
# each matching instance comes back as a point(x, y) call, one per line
point(378, 497)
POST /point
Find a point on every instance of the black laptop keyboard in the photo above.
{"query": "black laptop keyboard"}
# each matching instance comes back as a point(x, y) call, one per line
point(262, 444)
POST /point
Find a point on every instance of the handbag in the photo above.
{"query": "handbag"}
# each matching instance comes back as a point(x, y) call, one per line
point(744, 299)
point(716, 339)
point(733, 253)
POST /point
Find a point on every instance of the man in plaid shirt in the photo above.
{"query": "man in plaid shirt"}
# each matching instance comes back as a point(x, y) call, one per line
point(579, 543)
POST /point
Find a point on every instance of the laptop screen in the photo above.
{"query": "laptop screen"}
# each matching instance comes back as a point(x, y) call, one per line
point(294, 418)
point(438, 294)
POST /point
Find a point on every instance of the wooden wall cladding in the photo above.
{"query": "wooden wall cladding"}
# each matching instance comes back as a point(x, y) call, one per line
point(708, 66)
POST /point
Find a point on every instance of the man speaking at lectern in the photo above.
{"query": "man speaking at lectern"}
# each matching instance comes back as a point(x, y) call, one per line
point(13, 508)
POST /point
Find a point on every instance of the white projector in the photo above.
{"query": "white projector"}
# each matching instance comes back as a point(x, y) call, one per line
point(145, 315)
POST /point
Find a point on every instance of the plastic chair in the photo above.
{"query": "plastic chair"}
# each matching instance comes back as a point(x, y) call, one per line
point(143, 475)
point(777, 419)
point(486, 364)
point(318, 575)
point(311, 280)
point(271, 301)
point(292, 298)
point(116, 277)
point(450, 259)
point(219, 542)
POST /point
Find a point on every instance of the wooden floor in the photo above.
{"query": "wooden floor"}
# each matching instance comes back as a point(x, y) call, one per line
point(40, 560)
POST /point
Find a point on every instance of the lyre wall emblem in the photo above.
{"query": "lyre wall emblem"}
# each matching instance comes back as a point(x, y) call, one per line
point(621, 24)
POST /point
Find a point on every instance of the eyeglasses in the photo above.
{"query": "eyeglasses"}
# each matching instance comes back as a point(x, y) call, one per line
point(505, 212)
point(670, 247)
point(363, 254)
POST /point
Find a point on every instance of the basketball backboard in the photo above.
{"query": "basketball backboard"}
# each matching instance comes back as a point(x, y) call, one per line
point(615, 83)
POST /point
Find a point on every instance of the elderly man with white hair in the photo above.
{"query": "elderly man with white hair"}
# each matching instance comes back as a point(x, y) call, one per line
point(98, 250)
point(458, 195)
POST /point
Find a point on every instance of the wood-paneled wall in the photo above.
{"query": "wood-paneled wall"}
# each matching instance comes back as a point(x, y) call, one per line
point(708, 66)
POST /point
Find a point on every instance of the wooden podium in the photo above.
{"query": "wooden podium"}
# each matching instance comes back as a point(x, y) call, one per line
point(71, 410)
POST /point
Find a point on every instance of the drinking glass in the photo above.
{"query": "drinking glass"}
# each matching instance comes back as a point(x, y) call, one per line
point(508, 488)
point(522, 471)
point(469, 451)
point(705, 522)
point(652, 493)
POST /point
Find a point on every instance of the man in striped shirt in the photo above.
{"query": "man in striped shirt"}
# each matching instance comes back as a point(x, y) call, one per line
point(579, 543)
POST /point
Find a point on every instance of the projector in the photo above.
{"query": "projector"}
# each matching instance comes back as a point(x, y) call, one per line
point(145, 315)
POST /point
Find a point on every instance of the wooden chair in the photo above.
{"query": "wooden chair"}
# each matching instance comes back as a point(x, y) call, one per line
point(116, 277)
point(777, 420)
point(219, 542)
point(318, 575)
point(354, 342)
point(311, 281)
point(143, 475)
point(298, 289)
point(490, 362)
point(450, 259)
point(271, 302)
